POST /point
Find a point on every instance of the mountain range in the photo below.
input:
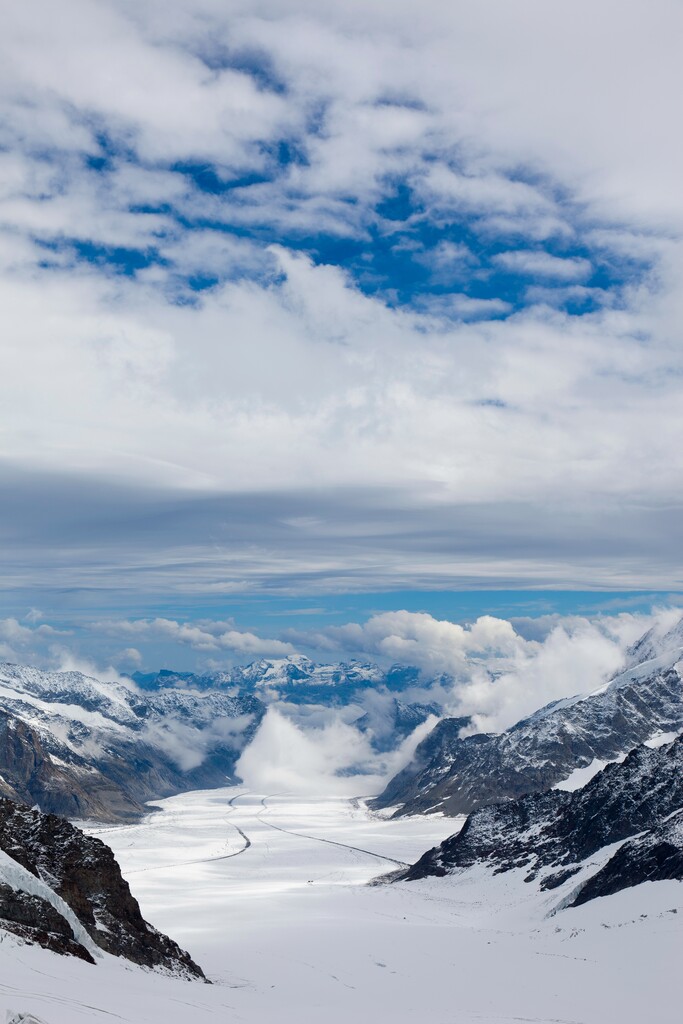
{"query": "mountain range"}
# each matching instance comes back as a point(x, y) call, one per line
point(583, 798)
point(84, 748)
point(89, 749)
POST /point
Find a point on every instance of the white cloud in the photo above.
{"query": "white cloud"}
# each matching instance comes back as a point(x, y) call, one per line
point(417, 638)
point(492, 673)
point(189, 746)
point(543, 265)
point(72, 662)
point(129, 656)
point(202, 636)
point(332, 759)
point(512, 117)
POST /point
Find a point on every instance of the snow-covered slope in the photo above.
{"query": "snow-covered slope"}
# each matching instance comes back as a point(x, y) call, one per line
point(457, 775)
point(288, 930)
point(84, 748)
point(557, 835)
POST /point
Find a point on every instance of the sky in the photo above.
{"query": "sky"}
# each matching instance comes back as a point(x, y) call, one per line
point(315, 312)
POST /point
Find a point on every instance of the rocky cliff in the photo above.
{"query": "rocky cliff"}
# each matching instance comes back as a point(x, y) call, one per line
point(553, 835)
point(64, 890)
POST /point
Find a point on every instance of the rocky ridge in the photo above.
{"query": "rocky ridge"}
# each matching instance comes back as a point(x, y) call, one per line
point(64, 891)
point(457, 775)
point(553, 836)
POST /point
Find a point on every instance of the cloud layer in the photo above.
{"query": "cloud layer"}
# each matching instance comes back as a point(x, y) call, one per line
point(494, 670)
point(312, 295)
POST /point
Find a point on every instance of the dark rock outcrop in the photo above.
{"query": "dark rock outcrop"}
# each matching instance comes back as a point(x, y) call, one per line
point(654, 857)
point(35, 920)
point(551, 834)
point(83, 872)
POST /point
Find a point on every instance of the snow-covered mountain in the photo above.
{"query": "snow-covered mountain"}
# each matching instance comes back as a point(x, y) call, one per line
point(84, 748)
point(456, 775)
point(295, 679)
point(567, 839)
point(63, 890)
point(376, 700)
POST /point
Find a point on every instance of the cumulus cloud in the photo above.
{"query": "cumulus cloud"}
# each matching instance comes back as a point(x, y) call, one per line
point(334, 758)
point(31, 636)
point(417, 638)
point(491, 672)
point(205, 635)
point(543, 264)
point(129, 656)
point(564, 664)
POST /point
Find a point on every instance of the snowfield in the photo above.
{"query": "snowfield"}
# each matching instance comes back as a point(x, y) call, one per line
point(268, 894)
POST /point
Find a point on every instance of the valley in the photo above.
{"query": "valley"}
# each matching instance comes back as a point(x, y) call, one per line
point(288, 929)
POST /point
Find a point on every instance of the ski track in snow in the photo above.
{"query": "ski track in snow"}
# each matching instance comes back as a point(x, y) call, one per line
point(332, 842)
point(289, 931)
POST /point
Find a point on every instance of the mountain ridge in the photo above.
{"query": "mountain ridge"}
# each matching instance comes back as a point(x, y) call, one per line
point(552, 836)
point(457, 775)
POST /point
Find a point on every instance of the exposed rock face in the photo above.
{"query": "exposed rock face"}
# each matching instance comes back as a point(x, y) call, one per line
point(83, 873)
point(552, 834)
point(653, 857)
point(37, 921)
point(86, 749)
point(457, 776)
point(412, 787)
point(72, 788)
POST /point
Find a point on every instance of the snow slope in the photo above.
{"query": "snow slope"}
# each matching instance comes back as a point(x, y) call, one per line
point(68, 742)
point(288, 932)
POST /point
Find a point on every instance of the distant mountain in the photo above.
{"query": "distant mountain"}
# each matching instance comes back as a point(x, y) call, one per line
point(382, 711)
point(457, 775)
point(295, 679)
point(63, 890)
point(559, 836)
point(84, 748)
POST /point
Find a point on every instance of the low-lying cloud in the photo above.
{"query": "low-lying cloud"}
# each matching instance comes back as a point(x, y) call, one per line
point(488, 670)
point(335, 758)
point(189, 746)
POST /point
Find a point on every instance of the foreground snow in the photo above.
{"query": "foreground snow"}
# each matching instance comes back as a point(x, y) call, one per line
point(267, 894)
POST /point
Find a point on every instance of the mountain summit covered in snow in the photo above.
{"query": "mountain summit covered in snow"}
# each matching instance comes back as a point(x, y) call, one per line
point(85, 748)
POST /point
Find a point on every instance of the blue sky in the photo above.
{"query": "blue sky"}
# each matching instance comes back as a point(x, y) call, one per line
point(337, 309)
